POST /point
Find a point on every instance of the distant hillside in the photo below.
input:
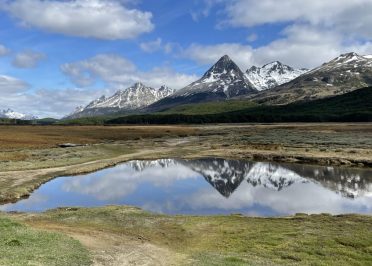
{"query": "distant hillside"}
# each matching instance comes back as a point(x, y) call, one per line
point(350, 107)
point(210, 107)
point(341, 75)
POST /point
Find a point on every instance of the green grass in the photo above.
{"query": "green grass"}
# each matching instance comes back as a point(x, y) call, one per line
point(21, 245)
point(236, 240)
point(210, 107)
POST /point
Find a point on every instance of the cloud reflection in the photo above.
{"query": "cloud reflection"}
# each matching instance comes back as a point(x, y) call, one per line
point(214, 186)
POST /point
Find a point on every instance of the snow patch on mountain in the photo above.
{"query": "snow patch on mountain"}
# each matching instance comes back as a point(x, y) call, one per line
point(134, 97)
point(10, 114)
point(224, 79)
point(272, 75)
point(130, 99)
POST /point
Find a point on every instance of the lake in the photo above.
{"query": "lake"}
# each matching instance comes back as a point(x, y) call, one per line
point(211, 186)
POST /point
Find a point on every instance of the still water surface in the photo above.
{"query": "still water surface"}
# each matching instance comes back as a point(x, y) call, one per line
point(211, 186)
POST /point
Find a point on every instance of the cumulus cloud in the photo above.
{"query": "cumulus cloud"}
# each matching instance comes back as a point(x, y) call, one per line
point(348, 16)
point(109, 67)
point(119, 71)
point(10, 85)
point(317, 31)
point(109, 20)
point(46, 102)
point(297, 48)
point(3, 50)
point(27, 59)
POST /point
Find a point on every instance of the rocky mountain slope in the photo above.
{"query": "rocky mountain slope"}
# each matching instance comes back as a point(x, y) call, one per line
point(9, 113)
point(343, 74)
point(222, 81)
point(131, 99)
point(272, 75)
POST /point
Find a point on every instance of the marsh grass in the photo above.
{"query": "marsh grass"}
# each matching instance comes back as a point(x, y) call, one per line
point(235, 240)
point(21, 245)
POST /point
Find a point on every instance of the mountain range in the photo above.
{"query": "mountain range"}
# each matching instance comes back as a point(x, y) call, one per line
point(129, 100)
point(343, 74)
point(274, 84)
point(10, 114)
point(272, 75)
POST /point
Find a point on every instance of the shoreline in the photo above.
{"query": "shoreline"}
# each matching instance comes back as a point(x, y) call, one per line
point(31, 156)
point(42, 176)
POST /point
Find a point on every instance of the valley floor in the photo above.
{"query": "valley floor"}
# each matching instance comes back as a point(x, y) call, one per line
point(30, 156)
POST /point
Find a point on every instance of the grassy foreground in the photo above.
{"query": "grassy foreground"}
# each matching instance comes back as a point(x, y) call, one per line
point(21, 245)
point(218, 240)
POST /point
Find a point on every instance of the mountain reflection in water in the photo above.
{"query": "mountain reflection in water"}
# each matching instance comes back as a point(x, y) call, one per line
point(178, 186)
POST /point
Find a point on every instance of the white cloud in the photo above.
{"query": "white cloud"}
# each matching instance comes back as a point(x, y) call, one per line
point(317, 31)
point(109, 20)
point(3, 50)
point(47, 103)
point(9, 85)
point(27, 59)
point(301, 46)
point(348, 16)
point(109, 67)
point(119, 71)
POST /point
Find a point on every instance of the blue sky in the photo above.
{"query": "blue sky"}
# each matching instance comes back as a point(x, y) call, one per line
point(56, 55)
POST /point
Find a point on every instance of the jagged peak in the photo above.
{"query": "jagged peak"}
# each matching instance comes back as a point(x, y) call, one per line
point(350, 54)
point(225, 58)
point(223, 66)
point(273, 63)
point(348, 57)
point(138, 85)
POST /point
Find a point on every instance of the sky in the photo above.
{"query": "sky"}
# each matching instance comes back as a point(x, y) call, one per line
point(56, 55)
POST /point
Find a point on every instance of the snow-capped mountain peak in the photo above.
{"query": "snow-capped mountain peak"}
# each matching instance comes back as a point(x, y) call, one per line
point(129, 99)
point(9, 113)
point(272, 75)
point(223, 80)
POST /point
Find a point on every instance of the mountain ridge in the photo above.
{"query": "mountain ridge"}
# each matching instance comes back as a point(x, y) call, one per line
point(341, 75)
point(272, 75)
point(224, 80)
point(11, 114)
point(130, 99)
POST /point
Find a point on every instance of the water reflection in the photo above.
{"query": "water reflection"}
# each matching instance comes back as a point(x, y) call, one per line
point(178, 186)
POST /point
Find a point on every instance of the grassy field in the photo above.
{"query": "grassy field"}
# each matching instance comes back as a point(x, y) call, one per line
point(36, 137)
point(221, 240)
point(22, 245)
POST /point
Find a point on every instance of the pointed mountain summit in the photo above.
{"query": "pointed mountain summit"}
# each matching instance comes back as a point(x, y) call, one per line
point(343, 74)
point(125, 100)
point(222, 81)
point(272, 75)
